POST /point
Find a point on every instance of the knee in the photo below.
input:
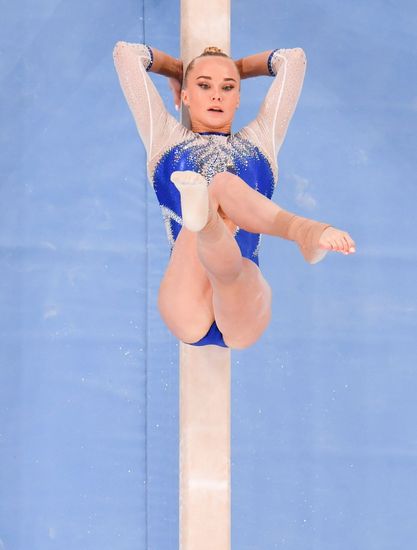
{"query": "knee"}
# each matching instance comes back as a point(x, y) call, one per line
point(220, 183)
point(220, 178)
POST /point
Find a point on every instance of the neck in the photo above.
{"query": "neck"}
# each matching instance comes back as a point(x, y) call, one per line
point(202, 129)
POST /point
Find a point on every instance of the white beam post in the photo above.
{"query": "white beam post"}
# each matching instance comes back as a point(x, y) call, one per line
point(205, 499)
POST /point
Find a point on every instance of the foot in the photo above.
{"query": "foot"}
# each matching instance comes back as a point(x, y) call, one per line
point(194, 198)
point(337, 241)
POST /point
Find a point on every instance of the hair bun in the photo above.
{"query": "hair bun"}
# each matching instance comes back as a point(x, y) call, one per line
point(210, 50)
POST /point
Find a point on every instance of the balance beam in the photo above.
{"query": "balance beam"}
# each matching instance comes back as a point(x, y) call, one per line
point(204, 461)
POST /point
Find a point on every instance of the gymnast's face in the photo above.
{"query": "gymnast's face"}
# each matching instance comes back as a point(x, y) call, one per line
point(212, 94)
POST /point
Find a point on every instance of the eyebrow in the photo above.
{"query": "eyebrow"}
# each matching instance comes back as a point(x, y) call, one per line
point(209, 78)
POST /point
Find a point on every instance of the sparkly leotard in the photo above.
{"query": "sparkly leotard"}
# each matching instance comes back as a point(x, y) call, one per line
point(250, 153)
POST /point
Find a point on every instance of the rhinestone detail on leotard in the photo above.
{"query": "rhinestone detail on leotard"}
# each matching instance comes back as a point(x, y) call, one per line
point(210, 154)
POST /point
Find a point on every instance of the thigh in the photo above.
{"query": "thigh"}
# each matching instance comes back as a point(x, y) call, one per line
point(215, 190)
point(185, 293)
point(243, 309)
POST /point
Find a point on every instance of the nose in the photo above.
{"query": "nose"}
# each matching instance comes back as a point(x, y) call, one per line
point(216, 95)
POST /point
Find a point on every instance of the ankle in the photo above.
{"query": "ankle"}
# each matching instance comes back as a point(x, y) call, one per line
point(304, 231)
point(282, 225)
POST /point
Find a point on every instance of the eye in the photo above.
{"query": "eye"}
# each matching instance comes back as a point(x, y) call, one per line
point(203, 85)
point(228, 87)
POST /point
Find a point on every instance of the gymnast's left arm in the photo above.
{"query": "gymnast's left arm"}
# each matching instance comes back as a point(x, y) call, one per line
point(268, 131)
point(288, 67)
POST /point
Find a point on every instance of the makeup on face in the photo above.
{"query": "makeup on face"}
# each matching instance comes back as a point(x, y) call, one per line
point(212, 94)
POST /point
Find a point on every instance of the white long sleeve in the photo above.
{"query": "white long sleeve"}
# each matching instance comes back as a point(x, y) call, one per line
point(269, 128)
point(154, 123)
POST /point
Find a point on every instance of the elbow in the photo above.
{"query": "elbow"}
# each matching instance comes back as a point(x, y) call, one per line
point(118, 49)
point(296, 58)
point(299, 54)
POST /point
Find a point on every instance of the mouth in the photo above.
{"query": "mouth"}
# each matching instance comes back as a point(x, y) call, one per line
point(215, 110)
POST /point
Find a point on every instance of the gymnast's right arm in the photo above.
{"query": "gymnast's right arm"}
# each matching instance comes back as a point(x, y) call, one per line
point(132, 62)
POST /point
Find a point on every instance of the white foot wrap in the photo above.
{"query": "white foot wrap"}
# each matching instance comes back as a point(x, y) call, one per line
point(194, 198)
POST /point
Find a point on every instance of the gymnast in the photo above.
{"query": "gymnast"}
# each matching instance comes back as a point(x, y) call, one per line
point(214, 186)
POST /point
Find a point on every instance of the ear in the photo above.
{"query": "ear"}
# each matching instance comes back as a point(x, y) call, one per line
point(184, 97)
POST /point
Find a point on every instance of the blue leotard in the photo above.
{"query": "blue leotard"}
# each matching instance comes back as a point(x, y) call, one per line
point(250, 153)
point(210, 153)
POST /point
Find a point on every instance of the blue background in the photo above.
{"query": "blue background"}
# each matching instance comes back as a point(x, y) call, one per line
point(324, 438)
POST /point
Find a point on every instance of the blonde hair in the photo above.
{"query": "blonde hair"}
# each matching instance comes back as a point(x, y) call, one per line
point(210, 50)
point(213, 50)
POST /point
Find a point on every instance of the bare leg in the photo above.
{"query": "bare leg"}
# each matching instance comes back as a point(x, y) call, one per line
point(224, 285)
point(254, 212)
point(190, 298)
point(185, 294)
point(241, 296)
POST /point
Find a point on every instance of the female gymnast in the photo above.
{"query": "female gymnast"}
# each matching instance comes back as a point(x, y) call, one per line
point(214, 186)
